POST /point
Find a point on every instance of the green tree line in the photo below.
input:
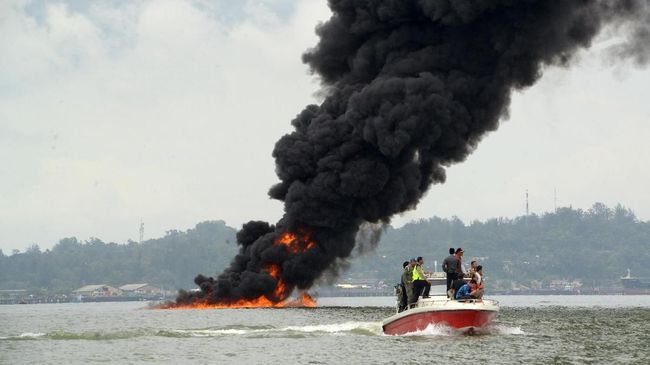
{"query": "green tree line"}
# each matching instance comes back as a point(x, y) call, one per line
point(594, 245)
point(171, 261)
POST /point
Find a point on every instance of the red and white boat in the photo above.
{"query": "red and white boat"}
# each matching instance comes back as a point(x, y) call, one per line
point(466, 316)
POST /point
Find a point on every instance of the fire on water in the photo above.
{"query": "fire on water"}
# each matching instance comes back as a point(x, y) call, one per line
point(295, 244)
point(303, 301)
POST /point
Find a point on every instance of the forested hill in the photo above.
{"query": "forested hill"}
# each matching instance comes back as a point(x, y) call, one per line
point(171, 261)
point(596, 245)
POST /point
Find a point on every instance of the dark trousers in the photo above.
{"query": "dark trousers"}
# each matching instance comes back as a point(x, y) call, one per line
point(451, 276)
point(418, 285)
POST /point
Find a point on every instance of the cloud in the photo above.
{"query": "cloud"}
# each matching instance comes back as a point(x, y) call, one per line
point(160, 110)
point(169, 110)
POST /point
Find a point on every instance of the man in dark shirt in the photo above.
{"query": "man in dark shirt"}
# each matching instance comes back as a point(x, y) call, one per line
point(450, 267)
point(459, 257)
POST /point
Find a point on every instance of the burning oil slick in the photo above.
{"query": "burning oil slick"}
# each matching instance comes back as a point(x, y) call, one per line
point(411, 88)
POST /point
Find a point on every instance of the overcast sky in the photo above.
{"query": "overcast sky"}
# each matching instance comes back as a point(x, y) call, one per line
point(168, 110)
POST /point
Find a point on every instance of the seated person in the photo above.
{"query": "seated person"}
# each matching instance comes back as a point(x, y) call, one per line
point(479, 282)
point(467, 291)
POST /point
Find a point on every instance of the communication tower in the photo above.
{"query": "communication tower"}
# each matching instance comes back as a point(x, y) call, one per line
point(527, 203)
point(141, 230)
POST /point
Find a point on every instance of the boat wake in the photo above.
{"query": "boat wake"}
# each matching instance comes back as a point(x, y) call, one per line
point(334, 329)
point(23, 336)
point(504, 330)
point(432, 330)
point(358, 328)
point(340, 329)
point(443, 330)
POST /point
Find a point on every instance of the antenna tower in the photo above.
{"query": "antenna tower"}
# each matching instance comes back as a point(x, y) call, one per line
point(141, 230)
point(527, 203)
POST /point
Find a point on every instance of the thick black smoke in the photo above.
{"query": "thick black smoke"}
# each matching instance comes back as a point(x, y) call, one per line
point(411, 87)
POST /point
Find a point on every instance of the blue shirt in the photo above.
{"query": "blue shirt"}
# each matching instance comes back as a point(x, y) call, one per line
point(463, 292)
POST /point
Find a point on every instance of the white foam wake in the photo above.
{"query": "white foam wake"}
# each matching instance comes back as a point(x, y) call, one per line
point(433, 330)
point(23, 336)
point(442, 330)
point(505, 330)
point(335, 328)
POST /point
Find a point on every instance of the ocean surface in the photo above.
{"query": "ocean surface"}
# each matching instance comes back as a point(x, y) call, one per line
point(529, 329)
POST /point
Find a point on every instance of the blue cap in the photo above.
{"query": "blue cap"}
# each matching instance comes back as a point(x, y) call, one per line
point(413, 259)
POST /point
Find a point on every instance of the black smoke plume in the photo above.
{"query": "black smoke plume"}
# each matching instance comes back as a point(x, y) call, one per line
point(411, 87)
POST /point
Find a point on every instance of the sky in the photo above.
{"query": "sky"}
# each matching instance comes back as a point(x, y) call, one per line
point(166, 111)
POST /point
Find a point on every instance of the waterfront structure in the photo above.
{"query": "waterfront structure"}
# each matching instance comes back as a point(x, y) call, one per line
point(98, 290)
point(140, 289)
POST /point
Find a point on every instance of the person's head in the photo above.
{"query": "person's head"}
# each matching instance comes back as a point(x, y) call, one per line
point(405, 264)
point(420, 260)
point(412, 262)
point(479, 269)
point(473, 264)
point(459, 251)
point(451, 250)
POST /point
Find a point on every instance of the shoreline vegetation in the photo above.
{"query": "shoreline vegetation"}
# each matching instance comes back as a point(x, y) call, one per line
point(569, 251)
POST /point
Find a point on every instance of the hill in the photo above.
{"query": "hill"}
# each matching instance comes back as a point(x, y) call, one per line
point(595, 246)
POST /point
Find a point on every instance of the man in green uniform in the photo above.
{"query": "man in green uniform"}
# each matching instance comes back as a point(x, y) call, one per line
point(407, 279)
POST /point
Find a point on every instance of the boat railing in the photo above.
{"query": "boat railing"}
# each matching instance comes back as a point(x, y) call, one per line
point(443, 300)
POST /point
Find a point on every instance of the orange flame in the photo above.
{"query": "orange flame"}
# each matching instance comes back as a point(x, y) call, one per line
point(304, 301)
point(280, 287)
point(308, 301)
point(295, 244)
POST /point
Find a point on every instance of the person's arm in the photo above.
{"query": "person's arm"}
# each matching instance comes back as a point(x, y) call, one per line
point(473, 291)
point(421, 272)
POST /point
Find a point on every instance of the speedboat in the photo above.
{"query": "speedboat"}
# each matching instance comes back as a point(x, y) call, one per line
point(463, 315)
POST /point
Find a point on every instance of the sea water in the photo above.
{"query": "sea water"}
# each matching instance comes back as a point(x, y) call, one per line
point(528, 329)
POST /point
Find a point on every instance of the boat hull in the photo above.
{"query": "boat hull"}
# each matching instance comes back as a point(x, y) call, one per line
point(458, 315)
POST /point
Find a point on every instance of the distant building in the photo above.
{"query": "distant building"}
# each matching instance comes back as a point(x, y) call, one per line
point(98, 290)
point(140, 289)
point(565, 285)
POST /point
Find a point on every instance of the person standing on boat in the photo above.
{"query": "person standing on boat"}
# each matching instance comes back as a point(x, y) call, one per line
point(459, 256)
point(403, 296)
point(420, 281)
point(407, 279)
point(450, 267)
